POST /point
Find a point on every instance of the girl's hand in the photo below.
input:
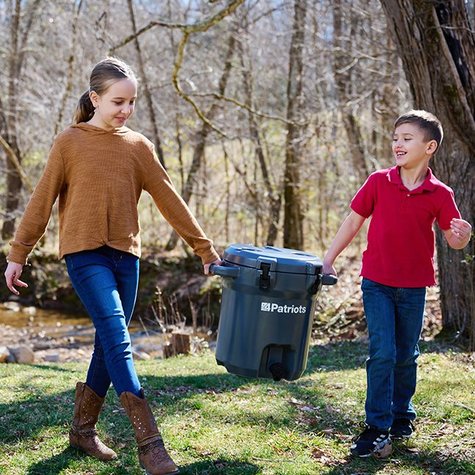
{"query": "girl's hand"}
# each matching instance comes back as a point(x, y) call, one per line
point(206, 267)
point(12, 277)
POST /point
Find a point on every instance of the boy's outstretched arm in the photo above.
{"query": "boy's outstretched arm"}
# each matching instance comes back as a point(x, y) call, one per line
point(348, 230)
point(459, 233)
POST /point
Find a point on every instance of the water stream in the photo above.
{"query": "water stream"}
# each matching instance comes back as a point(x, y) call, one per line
point(58, 336)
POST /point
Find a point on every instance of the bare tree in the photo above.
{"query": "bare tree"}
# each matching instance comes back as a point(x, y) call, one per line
point(343, 64)
point(437, 47)
point(293, 214)
point(146, 87)
point(71, 67)
point(272, 191)
point(19, 33)
point(275, 113)
point(203, 133)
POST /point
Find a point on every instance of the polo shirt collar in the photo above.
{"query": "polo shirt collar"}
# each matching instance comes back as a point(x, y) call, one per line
point(429, 183)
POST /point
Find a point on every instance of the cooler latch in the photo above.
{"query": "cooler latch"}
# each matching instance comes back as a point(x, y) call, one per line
point(264, 278)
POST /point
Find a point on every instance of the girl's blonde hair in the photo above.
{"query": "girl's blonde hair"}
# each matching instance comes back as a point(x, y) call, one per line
point(103, 75)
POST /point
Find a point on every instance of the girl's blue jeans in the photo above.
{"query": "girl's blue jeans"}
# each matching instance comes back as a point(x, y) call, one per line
point(394, 317)
point(106, 281)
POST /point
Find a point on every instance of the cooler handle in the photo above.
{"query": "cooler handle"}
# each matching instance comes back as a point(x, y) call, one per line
point(224, 271)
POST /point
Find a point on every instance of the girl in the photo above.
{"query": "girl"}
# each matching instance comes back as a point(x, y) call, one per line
point(98, 167)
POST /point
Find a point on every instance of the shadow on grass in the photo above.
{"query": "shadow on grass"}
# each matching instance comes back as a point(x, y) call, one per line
point(351, 354)
point(60, 462)
point(26, 419)
point(55, 464)
point(337, 356)
point(219, 467)
point(405, 459)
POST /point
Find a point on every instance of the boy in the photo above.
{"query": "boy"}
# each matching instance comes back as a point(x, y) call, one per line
point(403, 202)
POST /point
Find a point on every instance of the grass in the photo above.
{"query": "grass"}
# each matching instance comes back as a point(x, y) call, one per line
point(217, 423)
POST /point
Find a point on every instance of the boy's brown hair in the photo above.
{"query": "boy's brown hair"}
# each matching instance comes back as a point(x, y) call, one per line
point(427, 122)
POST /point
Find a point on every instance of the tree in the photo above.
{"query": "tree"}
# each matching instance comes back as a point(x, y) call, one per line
point(342, 66)
point(272, 191)
point(146, 86)
point(293, 213)
point(437, 46)
point(19, 35)
point(205, 129)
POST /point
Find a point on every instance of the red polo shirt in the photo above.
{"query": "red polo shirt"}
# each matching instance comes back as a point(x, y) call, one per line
point(400, 249)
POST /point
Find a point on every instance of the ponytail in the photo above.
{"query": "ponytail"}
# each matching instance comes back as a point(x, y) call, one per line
point(84, 109)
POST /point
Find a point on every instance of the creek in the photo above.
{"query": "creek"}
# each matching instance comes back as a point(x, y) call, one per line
point(56, 336)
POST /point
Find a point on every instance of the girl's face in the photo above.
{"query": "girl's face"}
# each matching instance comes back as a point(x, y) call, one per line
point(115, 106)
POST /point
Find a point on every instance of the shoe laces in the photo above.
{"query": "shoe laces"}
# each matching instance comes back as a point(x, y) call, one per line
point(369, 432)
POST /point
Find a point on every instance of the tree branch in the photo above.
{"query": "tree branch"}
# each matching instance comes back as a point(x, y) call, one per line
point(176, 83)
point(198, 27)
point(248, 108)
point(187, 29)
point(16, 163)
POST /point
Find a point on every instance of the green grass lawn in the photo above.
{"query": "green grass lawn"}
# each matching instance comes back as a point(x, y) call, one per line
point(217, 423)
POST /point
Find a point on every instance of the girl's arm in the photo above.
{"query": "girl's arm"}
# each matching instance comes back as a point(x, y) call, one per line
point(38, 211)
point(177, 213)
point(459, 233)
point(348, 230)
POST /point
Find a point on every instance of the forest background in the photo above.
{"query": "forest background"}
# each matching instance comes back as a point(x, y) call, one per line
point(267, 114)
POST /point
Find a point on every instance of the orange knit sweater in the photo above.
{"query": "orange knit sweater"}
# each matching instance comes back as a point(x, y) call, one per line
point(99, 176)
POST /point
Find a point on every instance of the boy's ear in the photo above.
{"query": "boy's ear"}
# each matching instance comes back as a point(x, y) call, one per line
point(432, 146)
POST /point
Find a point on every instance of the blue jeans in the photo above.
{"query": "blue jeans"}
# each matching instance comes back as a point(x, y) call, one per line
point(106, 281)
point(394, 317)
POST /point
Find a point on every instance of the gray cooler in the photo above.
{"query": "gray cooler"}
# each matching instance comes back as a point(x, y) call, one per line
point(267, 309)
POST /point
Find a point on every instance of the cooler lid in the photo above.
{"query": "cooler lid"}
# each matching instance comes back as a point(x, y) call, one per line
point(280, 259)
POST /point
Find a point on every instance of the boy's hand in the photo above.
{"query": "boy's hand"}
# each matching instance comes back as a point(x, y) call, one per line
point(459, 233)
point(328, 269)
point(461, 228)
point(12, 277)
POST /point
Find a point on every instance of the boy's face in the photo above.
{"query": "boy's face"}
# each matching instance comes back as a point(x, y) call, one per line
point(410, 148)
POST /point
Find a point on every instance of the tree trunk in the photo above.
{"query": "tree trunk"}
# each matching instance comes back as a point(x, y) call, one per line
point(437, 47)
point(293, 214)
point(343, 81)
point(18, 42)
point(146, 88)
point(71, 74)
point(273, 194)
point(13, 177)
point(202, 136)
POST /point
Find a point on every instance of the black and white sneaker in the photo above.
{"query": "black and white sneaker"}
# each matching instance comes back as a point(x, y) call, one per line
point(372, 441)
point(402, 429)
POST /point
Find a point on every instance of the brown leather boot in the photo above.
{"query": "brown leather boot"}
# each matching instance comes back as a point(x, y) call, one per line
point(153, 456)
point(83, 434)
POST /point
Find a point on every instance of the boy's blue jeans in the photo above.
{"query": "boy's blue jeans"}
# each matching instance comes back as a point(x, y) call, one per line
point(394, 317)
point(106, 281)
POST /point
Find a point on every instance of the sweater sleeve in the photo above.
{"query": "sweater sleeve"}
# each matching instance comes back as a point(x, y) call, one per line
point(176, 211)
point(38, 211)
